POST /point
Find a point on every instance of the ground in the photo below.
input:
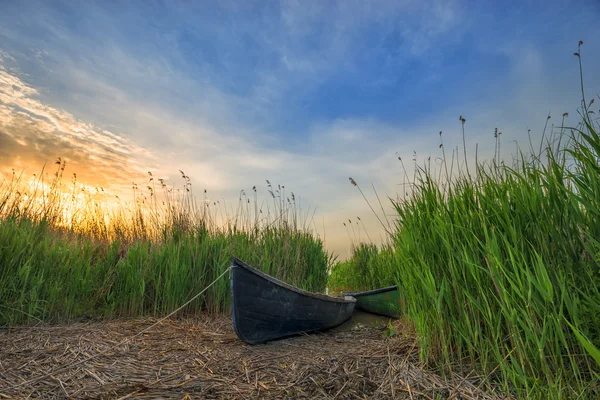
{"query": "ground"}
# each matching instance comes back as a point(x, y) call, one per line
point(202, 358)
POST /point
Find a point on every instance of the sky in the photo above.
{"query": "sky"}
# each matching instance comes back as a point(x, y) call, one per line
point(304, 94)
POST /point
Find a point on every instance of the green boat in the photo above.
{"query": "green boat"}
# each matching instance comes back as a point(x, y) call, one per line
point(384, 301)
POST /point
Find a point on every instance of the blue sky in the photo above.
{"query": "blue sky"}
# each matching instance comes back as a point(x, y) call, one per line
point(304, 93)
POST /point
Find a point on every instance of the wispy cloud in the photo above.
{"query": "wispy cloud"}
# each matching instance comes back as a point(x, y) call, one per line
point(33, 134)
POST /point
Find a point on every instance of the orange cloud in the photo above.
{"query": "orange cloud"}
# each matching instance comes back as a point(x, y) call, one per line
point(33, 134)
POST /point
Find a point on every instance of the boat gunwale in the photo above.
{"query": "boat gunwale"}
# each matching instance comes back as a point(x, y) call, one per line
point(235, 262)
point(371, 292)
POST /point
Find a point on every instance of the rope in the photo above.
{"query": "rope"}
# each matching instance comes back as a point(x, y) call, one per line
point(50, 374)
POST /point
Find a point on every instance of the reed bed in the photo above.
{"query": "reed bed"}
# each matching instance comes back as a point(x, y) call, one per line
point(499, 265)
point(68, 252)
point(369, 267)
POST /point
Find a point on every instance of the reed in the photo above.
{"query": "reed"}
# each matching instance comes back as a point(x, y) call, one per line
point(68, 252)
point(499, 267)
point(369, 267)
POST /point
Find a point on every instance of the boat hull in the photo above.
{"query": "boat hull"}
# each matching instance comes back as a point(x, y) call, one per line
point(264, 308)
point(385, 301)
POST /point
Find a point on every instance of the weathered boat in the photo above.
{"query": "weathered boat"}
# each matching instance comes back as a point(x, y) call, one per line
point(384, 301)
point(264, 308)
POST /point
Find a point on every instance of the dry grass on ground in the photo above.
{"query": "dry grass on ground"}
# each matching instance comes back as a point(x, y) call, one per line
point(202, 358)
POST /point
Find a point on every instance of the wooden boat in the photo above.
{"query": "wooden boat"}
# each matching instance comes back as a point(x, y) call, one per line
point(384, 301)
point(264, 308)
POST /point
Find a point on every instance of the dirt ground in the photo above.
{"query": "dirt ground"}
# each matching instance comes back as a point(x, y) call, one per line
point(202, 358)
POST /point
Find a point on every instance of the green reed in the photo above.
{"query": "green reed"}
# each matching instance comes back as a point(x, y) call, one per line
point(500, 266)
point(369, 267)
point(62, 258)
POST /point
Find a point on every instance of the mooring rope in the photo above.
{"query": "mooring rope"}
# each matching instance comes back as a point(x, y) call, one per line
point(50, 374)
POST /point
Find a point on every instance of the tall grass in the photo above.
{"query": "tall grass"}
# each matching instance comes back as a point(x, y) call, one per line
point(500, 267)
point(493, 269)
point(69, 252)
point(369, 267)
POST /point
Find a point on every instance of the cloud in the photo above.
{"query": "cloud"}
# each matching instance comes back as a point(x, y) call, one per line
point(33, 133)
